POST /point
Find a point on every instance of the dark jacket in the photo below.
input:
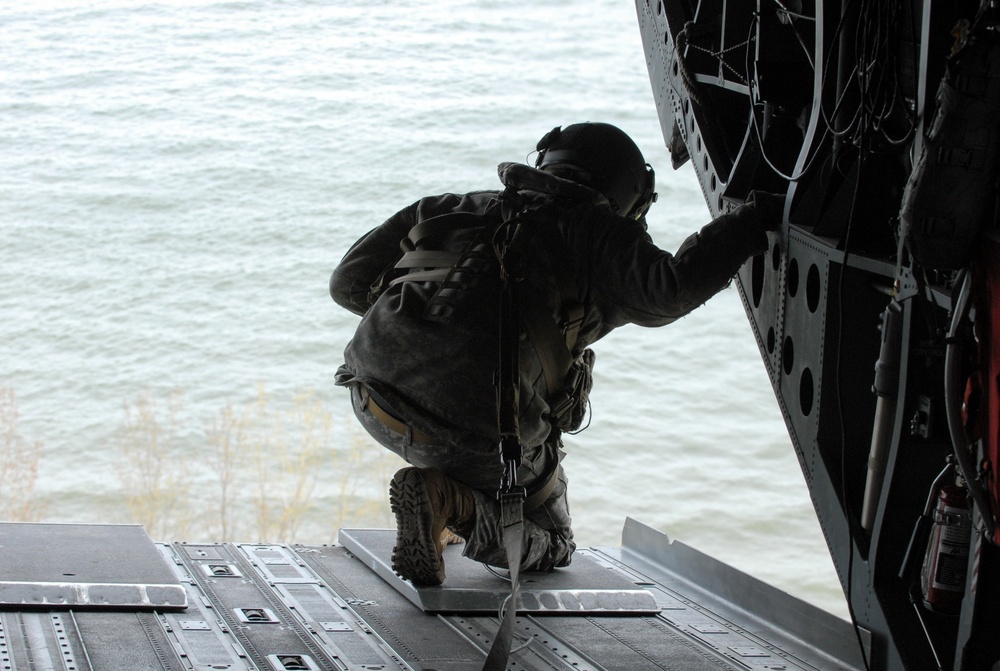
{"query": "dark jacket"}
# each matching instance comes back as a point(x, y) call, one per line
point(436, 370)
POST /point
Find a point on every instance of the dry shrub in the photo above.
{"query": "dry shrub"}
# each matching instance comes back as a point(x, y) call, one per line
point(151, 464)
point(251, 472)
point(19, 461)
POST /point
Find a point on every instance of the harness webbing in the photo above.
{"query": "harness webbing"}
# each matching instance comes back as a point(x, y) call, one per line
point(554, 345)
point(511, 496)
point(424, 259)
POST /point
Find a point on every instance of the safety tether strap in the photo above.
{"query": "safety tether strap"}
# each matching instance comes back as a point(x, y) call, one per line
point(510, 496)
point(512, 522)
point(438, 266)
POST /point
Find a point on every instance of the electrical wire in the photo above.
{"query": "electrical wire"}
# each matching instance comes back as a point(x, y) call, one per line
point(783, 9)
point(879, 65)
point(798, 36)
point(927, 635)
point(753, 115)
point(823, 82)
point(495, 572)
point(524, 642)
point(503, 605)
point(875, 76)
point(590, 417)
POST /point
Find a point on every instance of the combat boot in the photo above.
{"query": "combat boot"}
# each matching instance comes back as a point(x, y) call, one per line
point(426, 502)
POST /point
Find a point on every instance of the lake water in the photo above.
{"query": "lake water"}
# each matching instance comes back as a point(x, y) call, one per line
point(179, 179)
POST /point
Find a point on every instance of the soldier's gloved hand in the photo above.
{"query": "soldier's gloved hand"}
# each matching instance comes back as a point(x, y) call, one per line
point(768, 207)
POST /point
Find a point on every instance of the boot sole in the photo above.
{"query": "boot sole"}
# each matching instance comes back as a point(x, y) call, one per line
point(414, 557)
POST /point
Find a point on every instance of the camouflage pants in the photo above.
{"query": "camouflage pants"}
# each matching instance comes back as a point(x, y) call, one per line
point(548, 534)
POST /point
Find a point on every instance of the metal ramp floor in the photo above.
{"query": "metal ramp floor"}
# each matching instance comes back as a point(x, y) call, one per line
point(650, 604)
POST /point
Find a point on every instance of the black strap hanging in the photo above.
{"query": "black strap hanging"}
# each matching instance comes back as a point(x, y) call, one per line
point(512, 523)
point(510, 495)
point(508, 382)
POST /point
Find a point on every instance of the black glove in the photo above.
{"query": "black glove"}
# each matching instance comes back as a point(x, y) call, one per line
point(769, 209)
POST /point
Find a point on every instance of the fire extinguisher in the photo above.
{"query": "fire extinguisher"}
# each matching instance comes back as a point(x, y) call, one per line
point(946, 563)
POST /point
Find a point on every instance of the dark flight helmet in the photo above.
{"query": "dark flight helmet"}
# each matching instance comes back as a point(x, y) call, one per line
point(604, 158)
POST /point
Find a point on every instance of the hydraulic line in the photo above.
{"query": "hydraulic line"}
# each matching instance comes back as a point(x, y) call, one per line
point(952, 396)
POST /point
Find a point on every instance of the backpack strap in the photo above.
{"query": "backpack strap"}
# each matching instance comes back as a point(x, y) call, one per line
point(421, 262)
point(437, 266)
point(443, 224)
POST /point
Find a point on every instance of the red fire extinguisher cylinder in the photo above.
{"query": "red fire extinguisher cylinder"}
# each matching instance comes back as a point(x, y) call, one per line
point(946, 564)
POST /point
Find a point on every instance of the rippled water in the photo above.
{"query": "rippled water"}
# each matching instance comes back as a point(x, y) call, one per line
point(180, 177)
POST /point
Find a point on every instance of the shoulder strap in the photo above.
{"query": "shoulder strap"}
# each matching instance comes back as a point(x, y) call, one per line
point(554, 342)
point(565, 272)
point(546, 338)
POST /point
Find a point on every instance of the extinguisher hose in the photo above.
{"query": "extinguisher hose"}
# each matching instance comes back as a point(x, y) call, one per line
point(921, 530)
point(952, 395)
